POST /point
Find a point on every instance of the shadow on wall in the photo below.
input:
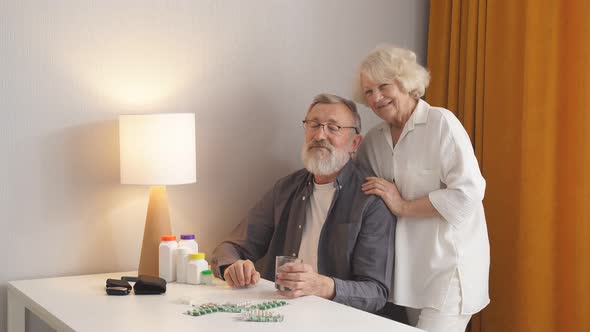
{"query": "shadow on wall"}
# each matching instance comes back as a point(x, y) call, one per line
point(79, 190)
point(80, 159)
point(66, 196)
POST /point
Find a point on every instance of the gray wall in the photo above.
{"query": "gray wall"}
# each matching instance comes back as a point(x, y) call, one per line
point(248, 69)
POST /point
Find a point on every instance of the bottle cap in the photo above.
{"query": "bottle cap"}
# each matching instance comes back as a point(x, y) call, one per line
point(201, 255)
point(168, 237)
point(187, 236)
point(193, 255)
point(206, 272)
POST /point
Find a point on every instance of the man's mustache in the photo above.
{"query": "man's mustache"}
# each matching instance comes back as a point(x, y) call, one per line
point(320, 144)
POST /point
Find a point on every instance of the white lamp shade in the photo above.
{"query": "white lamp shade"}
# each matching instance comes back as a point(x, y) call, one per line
point(157, 149)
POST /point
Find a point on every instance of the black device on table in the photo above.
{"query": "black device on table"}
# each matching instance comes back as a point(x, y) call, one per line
point(118, 287)
point(144, 285)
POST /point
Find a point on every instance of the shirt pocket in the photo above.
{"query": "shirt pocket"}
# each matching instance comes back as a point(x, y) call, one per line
point(421, 182)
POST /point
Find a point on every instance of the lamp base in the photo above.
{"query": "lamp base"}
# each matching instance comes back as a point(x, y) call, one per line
point(157, 223)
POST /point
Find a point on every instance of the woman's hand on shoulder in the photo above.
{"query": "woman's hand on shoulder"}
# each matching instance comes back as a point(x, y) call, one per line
point(421, 207)
point(387, 191)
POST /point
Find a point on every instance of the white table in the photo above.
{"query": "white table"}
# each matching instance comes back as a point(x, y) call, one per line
point(80, 304)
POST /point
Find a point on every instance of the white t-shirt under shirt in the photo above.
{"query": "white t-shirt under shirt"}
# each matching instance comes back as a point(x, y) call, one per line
point(315, 216)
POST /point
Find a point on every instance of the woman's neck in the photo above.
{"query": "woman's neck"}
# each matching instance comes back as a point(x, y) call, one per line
point(396, 132)
point(397, 125)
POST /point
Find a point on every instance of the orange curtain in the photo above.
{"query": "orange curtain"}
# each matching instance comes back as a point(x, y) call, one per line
point(517, 74)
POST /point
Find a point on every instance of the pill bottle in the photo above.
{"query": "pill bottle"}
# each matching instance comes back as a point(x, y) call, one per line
point(191, 269)
point(196, 265)
point(207, 277)
point(166, 259)
point(188, 240)
point(181, 263)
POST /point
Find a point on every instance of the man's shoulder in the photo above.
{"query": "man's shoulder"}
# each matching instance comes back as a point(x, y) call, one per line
point(357, 175)
point(356, 198)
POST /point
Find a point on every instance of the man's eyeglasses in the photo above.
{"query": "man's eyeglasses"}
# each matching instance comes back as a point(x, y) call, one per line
point(330, 128)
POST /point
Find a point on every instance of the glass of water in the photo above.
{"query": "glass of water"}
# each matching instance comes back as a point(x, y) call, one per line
point(280, 261)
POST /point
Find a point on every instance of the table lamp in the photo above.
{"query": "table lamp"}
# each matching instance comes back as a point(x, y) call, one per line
point(157, 150)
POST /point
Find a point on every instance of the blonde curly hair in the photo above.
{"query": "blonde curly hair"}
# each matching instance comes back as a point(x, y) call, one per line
point(388, 63)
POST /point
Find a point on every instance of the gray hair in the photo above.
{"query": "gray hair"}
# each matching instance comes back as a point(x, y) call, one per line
point(326, 98)
point(388, 63)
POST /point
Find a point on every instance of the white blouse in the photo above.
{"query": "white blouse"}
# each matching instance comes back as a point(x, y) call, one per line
point(434, 158)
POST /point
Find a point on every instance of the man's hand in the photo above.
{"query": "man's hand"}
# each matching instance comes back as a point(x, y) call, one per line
point(241, 273)
point(302, 280)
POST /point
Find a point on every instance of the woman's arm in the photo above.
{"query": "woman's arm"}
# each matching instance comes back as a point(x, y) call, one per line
point(464, 185)
point(421, 207)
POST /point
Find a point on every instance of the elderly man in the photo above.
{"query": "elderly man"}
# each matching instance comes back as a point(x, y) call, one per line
point(320, 215)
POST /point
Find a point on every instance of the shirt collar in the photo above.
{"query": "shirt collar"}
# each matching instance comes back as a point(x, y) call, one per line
point(386, 132)
point(420, 115)
point(344, 175)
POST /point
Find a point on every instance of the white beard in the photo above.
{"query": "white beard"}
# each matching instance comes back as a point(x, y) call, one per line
point(321, 161)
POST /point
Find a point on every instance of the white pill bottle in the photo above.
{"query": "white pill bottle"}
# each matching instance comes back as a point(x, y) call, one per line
point(188, 240)
point(181, 263)
point(167, 258)
point(196, 265)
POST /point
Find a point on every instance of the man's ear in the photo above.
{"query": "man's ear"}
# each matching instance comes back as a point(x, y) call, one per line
point(356, 142)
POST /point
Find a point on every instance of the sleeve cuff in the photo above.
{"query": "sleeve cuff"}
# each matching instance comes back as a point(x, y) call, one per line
point(218, 265)
point(454, 210)
point(338, 287)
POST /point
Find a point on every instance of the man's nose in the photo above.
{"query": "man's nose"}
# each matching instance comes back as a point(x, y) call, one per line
point(321, 132)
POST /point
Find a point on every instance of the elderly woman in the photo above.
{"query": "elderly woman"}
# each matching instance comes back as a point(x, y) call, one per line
point(428, 176)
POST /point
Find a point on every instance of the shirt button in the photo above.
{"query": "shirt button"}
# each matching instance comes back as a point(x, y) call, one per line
point(303, 198)
point(294, 254)
point(341, 187)
point(299, 226)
